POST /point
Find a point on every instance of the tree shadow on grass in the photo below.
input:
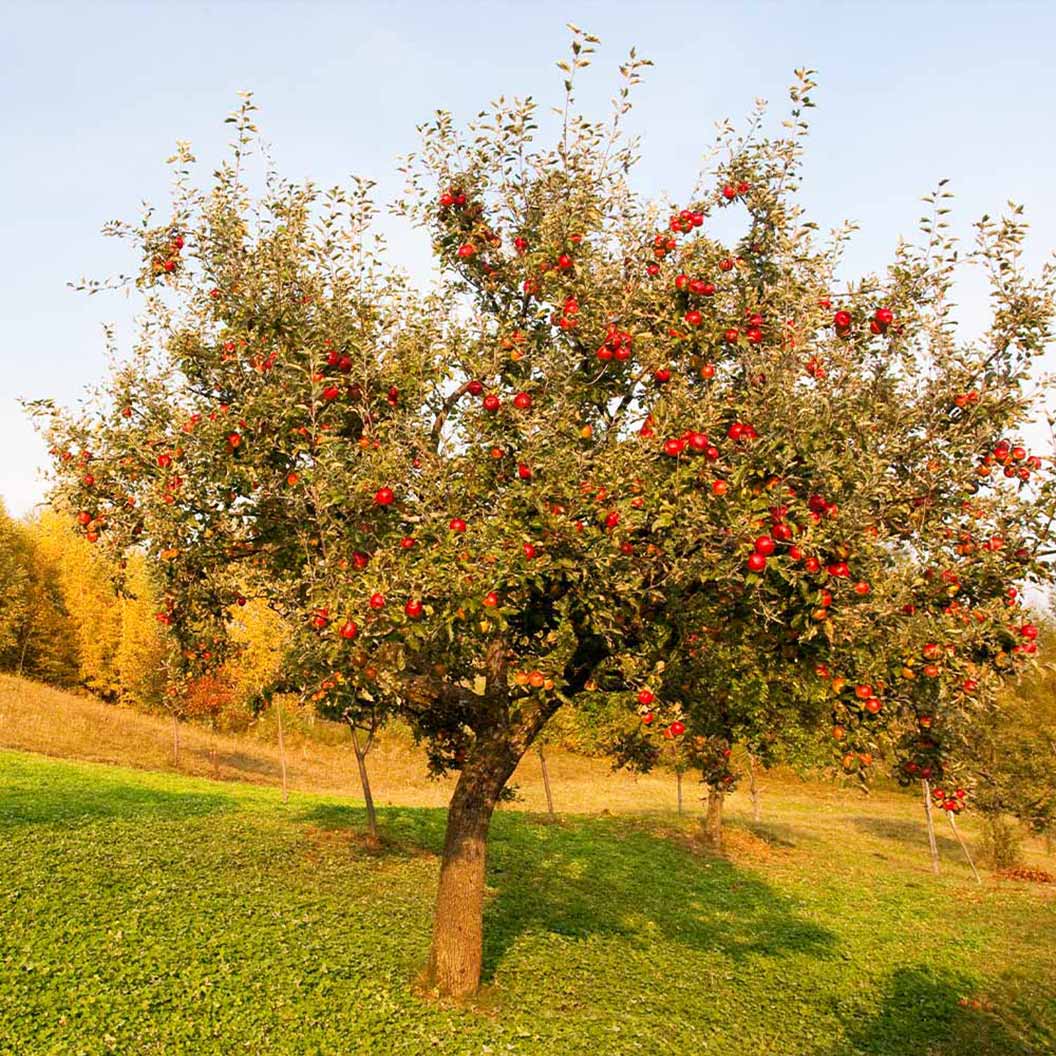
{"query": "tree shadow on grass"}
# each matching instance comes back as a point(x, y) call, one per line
point(599, 876)
point(924, 1012)
point(73, 798)
point(611, 877)
point(245, 762)
point(771, 833)
point(905, 831)
point(404, 831)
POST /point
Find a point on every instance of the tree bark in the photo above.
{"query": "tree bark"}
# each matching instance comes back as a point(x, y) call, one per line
point(926, 791)
point(546, 782)
point(364, 780)
point(678, 779)
point(457, 952)
point(713, 819)
point(753, 788)
point(282, 751)
point(175, 740)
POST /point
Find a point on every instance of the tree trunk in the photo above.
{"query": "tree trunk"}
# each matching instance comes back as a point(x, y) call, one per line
point(713, 820)
point(546, 782)
point(753, 788)
point(282, 751)
point(926, 790)
point(175, 740)
point(457, 952)
point(364, 780)
point(678, 779)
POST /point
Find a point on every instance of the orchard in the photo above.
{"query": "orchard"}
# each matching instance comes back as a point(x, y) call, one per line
point(719, 484)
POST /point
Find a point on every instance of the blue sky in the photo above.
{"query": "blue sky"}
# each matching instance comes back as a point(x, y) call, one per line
point(94, 95)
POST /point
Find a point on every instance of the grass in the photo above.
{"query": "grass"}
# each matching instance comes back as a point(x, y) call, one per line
point(37, 718)
point(149, 913)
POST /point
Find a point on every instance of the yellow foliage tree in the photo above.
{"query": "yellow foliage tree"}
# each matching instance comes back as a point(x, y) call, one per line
point(86, 583)
point(262, 639)
point(142, 655)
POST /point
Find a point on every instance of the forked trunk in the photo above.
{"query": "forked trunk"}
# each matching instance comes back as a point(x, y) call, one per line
point(713, 819)
point(364, 780)
point(458, 928)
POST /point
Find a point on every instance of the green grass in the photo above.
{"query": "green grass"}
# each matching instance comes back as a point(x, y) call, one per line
point(148, 914)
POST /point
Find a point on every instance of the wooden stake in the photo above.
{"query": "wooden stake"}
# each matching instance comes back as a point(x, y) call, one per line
point(926, 789)
point(964, 846)
point(753, 788)
point(546, 783)
point(282, 751)
point(175, 740)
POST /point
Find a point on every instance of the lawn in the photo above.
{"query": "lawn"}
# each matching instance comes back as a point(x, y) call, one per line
point(147, 913)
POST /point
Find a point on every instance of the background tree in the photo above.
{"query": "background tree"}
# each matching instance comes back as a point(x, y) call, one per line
point(1008, 765)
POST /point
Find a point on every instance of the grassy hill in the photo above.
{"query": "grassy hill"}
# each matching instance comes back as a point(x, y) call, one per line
point(155, 913)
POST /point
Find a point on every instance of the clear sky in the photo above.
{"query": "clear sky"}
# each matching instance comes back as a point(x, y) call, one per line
point(94, 95)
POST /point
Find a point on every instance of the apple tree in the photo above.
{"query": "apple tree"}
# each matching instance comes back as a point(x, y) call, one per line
point(603, 432)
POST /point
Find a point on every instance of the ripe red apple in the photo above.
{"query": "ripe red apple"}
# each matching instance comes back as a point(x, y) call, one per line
point(491, 599)
point(764, 545)
point(348, 630)
point(645, 697)
point(377, 600)
point(756, 562)
point(384, 497)
point(678, 728)
point(524, 471)
point(475, 388)
point(413, 608)
point(522, 401)
point(456, 524)
point(492, 403)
